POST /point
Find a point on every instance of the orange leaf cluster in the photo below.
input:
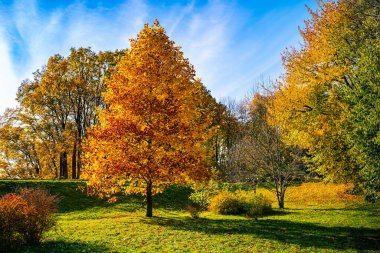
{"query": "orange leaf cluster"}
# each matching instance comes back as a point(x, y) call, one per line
point(155, 126)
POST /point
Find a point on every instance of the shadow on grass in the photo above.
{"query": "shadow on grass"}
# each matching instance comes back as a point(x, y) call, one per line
point(302, 234)
point(74, 199)
point(279, 212)
point(68, 191)
point(62, 246)
point(176, 197)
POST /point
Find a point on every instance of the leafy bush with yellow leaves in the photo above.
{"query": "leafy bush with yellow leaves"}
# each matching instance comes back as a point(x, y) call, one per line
point(240, 202)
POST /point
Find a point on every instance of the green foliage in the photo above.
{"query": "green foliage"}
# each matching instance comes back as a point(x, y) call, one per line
point(25, 216)
point(363, 122)
point(200, 197)
point(329, 97)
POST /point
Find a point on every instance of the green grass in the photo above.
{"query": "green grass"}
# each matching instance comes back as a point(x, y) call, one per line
point(87, 224)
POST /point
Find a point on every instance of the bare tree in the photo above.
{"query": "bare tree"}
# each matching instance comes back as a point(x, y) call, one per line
point(260, 153)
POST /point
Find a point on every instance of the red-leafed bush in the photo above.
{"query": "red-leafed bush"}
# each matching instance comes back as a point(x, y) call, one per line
point(13, 210)
point(24, 216)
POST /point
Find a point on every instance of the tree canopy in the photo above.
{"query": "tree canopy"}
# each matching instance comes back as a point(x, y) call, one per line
point(154, 129)
point(55, 109)
point(329, 94)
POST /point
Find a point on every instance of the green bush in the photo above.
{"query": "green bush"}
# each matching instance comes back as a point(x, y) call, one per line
point(259, 205)
point(201, 195)
point(240, 202)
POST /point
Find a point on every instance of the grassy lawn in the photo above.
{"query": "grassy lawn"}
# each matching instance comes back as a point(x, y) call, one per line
point(318, 219)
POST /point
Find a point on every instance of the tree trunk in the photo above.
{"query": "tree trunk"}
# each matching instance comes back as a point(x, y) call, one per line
point(149, 207)
point(63, 173)
point(281, 198)
point(38, 168)
point(281, 202)
point(217, 153)
point(79, 161)
point(280, 193)
point(79, 137)
point(55, 169)
point(74, 162)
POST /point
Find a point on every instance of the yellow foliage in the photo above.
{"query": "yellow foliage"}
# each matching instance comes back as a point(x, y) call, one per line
point(308, 99)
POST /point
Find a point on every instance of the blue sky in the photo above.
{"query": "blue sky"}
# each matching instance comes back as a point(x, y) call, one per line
point(232, 44)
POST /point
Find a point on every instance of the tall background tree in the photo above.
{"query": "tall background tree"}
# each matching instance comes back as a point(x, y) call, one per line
point(55, 109)
point(19, 153)
point(330, 92)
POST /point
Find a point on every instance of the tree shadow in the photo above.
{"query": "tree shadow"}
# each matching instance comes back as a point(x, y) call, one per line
point(73, 195)
point(175, 197)
point(279, 212)
point(301, 233)
point(62, 246)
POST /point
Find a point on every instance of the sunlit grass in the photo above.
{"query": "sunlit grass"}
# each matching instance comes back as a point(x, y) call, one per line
point(316, 195)
point(122, 227)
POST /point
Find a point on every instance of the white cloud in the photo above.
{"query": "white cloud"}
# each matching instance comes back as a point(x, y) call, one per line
point(39, 35)
point(8, 78)
point(205, 36)
point(229, 50)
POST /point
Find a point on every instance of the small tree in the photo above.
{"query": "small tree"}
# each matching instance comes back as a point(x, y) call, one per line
point(152, 132)
point(260, 153)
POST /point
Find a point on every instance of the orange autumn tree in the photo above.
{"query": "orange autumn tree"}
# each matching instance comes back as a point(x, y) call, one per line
point(153, 131)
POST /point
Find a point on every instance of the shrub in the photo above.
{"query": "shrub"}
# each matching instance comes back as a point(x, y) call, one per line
point(200, 198)
point(194, 210)
point(240, 202)
point(259, 205)
point(228, 203)
point(13, 211)
point(25, 215)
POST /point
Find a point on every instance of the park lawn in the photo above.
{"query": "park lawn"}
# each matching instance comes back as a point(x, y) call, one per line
point(335, 223)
